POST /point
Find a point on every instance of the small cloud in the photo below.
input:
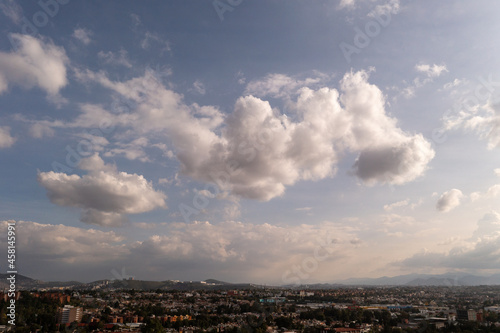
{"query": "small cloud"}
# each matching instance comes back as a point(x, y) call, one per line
point(390, 207)
point(431, 70)
point(241, 77)
point(150, 37)
point(492, 192)
point(497, 172)
point(83, 35)
point(347, 4)
point(136, 20)
point(6, 140)
point(115, 59)
point(40, 130)
point(452, 84)
point(232, 211)
point(199, 87)
point(391, 7)
point(449, 200)
point(303, 209)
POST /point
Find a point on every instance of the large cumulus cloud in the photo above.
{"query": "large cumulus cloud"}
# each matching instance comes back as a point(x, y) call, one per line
point(105, 194)
point(257, 151)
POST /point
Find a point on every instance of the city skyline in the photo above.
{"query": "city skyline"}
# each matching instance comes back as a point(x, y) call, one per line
point(250, 141)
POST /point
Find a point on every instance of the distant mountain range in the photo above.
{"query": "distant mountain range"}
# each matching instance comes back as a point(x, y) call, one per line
point(24, 282)
point(448, 279)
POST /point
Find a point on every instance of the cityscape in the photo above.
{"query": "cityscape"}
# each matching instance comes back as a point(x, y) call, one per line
point(249, 166)
point(215, 306)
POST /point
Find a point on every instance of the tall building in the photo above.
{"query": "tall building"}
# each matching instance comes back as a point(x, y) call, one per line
point(69, 314)
point(466, 315)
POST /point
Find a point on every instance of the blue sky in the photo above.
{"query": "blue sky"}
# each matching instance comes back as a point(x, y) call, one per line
point(263, 141)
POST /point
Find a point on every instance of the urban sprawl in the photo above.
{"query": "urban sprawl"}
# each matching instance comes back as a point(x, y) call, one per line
point(338, 310)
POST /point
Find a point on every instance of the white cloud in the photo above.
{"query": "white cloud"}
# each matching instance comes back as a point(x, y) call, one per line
point(482, 118)
point(431, 70)
point(384, 10)
point(134, 150)
point(115, 59)
point(104, 194)
point(497, 172)
point(35, 63)
point(449, 200)
point(492, 192)
point(83, 35)
point(428, 74)
point(453, 84)
point(346, 4)
point(6, 140)
point(402, 203)
point(255, 152)
point(280, 85)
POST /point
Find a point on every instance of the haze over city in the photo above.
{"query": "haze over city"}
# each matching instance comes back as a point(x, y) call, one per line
point(270, 142)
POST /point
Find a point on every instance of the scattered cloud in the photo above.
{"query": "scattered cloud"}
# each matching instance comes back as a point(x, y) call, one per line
point(402, 203)
point(492, 192)
point(105, 194)
point(35, 62)
point(241, 77)
point(120, 58)
point(136, 20)
point(150, 37)
point(280, 85)
point(453, 84)
point(12, 10)
point(199, 87)
point(384, 10)
point(449, 200)
point(431, 70)
point(6, 140)
point(83, 35)
point(346, 4)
